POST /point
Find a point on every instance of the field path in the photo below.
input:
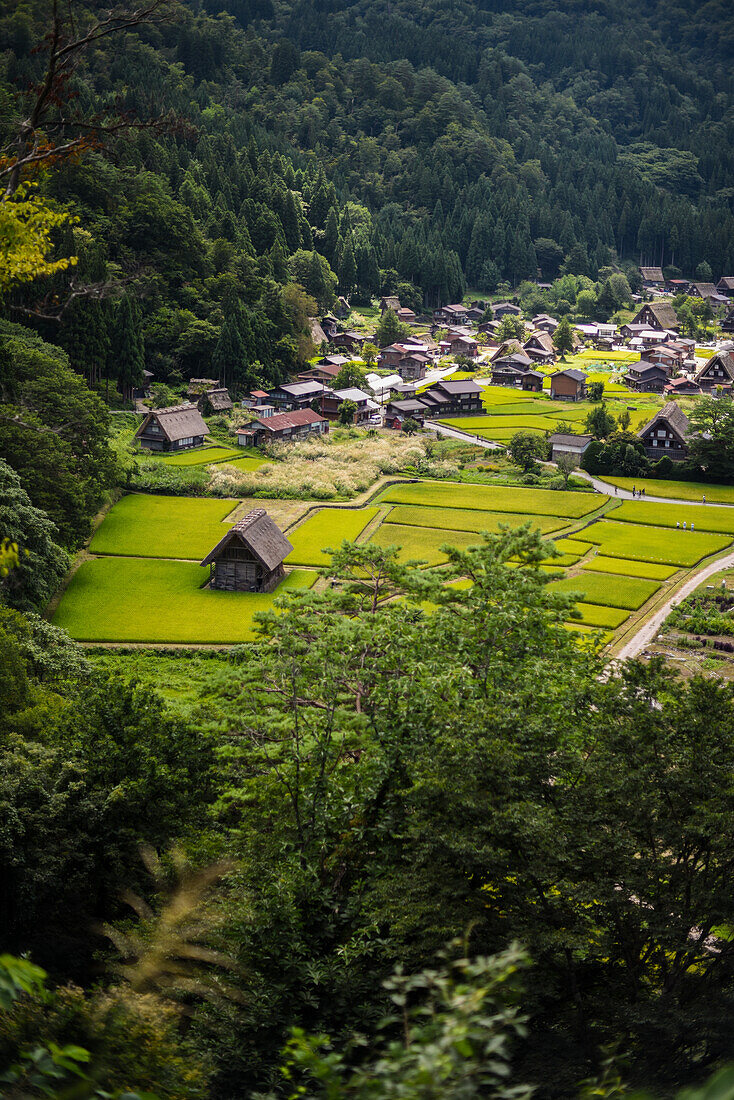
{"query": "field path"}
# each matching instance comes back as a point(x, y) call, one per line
point(647, 632)
point(456, 433)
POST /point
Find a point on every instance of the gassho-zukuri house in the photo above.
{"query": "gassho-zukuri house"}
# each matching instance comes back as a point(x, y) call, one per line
point(175, 428)
point(249, 558)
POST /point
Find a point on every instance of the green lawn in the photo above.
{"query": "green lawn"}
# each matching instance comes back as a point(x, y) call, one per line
point(719, 520)
point(327, 527)
point(677, 490)
point(149, 526)
point(422, 543)
point(597, 588)
point(626, 567)
point(495, 498)
point(467, 519)
point(656, 544)
point(129, 600)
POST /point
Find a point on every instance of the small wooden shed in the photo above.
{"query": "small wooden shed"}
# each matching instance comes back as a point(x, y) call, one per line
point(250, 556)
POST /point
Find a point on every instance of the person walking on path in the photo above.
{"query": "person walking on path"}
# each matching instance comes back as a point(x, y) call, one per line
point(684, 525)
point(677, 524)
point(704, 498)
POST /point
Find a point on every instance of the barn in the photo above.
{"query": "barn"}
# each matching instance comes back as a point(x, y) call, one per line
point(250, 556)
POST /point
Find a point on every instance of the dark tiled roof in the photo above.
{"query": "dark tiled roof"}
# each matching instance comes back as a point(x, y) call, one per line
point(260, 534)
point(459, 386)
point(576, 375)
point(569, 440)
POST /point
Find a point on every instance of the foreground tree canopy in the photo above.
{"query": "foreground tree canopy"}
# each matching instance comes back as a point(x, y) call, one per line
point(419, 755)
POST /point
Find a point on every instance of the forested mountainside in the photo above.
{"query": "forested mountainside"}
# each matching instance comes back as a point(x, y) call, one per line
point(351, 147)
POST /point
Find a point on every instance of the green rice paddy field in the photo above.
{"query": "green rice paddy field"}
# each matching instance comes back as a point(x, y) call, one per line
point(617, 560)
point(677, 490)
point(467, 519)
point(494, 498)
point(132, 600)
point(327, 528)
point(147, 526)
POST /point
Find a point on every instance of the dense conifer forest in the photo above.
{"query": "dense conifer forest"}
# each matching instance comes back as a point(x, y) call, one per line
point(357, 150)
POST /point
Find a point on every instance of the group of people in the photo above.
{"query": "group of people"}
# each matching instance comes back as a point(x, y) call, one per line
point(685, 526)
point(637, 492)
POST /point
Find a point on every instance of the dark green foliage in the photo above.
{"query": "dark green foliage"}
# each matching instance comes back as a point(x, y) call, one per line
point(390, 329)
point(622, 454)
point(600, 422)
point(42, 562)
point(563, 337)
point(89, 772)
point(712, 447)
point(126, 351)
point(53, 432)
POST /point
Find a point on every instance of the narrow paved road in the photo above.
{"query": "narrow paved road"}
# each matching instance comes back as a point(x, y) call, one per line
point(647, 632)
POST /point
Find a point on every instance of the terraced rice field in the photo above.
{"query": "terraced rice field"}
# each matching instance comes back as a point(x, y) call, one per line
point(596, 588)
point(495, 498)
point(467, 519)
point(131, 600)
point(197, 456)
point(150, 526)
point(595, 615)
point(704, 518)
point(626, 567)
point(655, 544)
point(422, 543)
point(130, 593)
point(326, 528)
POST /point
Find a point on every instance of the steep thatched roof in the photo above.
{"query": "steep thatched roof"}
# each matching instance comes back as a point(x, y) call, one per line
point(176, 422)
point(673, 415)
point(260, 534)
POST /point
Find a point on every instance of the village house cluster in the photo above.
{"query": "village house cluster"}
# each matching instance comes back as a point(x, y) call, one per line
point(414, 383)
